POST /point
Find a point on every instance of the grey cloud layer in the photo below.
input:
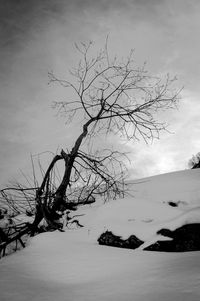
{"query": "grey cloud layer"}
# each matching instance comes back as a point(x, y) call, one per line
point(36, 35)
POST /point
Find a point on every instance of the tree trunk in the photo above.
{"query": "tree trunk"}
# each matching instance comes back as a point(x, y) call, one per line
point(69, 162)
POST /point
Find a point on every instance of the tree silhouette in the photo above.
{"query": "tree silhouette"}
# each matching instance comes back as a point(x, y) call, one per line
point(194, 162)
point(110, 97)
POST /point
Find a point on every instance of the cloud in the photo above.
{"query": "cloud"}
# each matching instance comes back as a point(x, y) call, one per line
point(37, 36)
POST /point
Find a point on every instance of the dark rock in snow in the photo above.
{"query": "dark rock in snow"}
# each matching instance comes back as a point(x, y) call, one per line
point(173, 204)
point(185, 238)
point(109, 239)
point(176, 203)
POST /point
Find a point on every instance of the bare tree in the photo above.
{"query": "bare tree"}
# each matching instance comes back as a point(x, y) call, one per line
point(112, 97)
point(194, 162)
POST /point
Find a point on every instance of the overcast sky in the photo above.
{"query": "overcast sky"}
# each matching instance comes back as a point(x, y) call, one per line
point(38, 36)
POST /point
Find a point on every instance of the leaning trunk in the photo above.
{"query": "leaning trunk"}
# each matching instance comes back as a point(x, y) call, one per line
point(60, 195)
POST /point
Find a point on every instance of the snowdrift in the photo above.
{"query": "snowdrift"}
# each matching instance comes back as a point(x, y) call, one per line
point(72, 265)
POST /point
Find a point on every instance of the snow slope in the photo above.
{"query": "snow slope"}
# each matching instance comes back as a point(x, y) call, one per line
point(180, 186)
point(145, 209)
point(71, 265)
point(63, 266)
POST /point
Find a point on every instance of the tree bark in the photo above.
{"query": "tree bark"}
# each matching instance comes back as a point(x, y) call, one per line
point(69, 162)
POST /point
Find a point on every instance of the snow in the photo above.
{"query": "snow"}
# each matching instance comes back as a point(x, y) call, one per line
point(177, 186)
point(72, 266)
point(146, 211)
point(64, 266)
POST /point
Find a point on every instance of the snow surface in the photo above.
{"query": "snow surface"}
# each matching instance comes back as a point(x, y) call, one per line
point(72, 266)
point(177, 186)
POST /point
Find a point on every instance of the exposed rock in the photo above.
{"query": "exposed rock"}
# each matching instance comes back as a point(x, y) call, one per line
point(173, 204)
point(109, 239)
point(185, 238)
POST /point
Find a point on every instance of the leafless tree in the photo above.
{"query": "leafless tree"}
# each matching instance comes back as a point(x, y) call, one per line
point(194, 162)
point(110, 97)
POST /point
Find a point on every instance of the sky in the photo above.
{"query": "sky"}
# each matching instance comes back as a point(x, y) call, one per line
point(38, 36)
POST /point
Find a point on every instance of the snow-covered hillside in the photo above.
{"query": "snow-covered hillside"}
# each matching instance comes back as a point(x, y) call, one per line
point(72, 266)
point(180, 186)
point(146, 207)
